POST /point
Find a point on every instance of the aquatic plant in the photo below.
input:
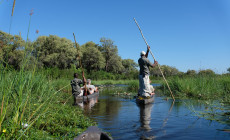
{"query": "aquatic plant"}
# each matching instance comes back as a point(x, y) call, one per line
point(213, 111)
point(201, 87)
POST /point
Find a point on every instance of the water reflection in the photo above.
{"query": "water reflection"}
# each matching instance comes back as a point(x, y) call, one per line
point(145, 116)
point(167, 120)
point(169, 113)
point(87, 105)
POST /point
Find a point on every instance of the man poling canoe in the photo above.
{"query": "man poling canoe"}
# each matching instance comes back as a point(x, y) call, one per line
point(83, 75)
point(154, 59)
point(144, 84)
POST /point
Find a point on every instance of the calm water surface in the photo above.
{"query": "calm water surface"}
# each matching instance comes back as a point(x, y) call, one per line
point(125, 120)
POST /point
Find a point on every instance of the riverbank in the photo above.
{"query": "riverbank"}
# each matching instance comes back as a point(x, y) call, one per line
point(34, 107)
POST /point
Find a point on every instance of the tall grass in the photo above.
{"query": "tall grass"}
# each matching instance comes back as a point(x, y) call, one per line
point(32, 105)
point(35, 107)
point(201, 87)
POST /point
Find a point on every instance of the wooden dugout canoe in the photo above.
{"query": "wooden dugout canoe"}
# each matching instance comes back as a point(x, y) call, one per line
point(88, 97)
point(144, 100)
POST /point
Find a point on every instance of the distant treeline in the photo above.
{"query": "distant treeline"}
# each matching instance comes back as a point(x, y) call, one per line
point(59, 55)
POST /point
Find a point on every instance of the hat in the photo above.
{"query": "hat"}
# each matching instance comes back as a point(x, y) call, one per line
point(88, 81)
point(142, 53)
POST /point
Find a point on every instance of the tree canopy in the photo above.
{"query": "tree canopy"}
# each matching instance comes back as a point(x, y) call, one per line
point(92, 58)
point(167, 71)
point(11, 49)
point(206, 72)
point(53, 51)
point(56, 52)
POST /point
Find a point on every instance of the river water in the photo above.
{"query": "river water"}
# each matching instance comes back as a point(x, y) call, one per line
point(163, 119)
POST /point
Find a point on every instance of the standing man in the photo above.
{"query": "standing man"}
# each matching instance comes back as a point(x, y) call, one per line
point(76, 88)
point(144, 63)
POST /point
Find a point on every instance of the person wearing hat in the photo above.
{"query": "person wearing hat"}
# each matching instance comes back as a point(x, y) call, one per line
point(90, 88)
point(144, 63)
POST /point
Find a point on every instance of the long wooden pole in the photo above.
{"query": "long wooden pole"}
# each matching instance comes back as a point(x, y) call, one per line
point(85, 94)
point(155, 60)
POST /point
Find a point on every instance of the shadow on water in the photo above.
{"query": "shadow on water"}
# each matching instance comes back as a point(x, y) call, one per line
point(167, 120)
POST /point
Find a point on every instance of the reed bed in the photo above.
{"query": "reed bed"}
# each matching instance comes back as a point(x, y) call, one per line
point(32, 106)
point(201, 87)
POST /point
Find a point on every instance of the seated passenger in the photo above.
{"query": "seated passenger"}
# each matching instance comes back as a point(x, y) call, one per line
point(90, 88)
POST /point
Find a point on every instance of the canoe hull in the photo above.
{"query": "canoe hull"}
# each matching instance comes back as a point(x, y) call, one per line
point(88, 97)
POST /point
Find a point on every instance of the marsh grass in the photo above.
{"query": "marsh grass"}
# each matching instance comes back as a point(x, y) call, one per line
point(201, 87)
point(29, 98)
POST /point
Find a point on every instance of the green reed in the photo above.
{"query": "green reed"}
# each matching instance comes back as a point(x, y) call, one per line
point(201, 87)
point(32, 105)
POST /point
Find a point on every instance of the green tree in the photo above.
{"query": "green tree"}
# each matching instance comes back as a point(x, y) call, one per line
point(113, 62)
point(92, 58)
point(11, 49)
point(116, 65)
point(167, 71)
point(155, 71)
point(191, 72)
point(129, 65)
point(53, 51)
point(228, 70)
point(206, 72)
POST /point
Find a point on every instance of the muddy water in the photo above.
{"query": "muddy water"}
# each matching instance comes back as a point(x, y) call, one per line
point(125, 120)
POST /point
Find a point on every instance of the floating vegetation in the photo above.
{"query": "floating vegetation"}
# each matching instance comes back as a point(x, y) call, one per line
point(213, 111)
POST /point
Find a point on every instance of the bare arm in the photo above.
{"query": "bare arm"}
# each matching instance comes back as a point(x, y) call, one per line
point(155, 63)
point(147, 52)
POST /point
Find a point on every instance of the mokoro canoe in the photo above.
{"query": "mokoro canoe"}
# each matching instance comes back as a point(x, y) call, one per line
point(88, 97)
point(144, 100)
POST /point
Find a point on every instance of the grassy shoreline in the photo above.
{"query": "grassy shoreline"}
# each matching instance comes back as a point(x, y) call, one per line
point(33, 107)
point(200, 87)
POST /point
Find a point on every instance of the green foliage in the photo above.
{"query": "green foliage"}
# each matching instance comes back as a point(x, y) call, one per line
point(54, 51)
point(228, 70)
point(133, 86)
point(114, 82)
point(201, 87)
point(167, 71)
point(191, 72)
point(129, 65)
point(11, 50)
point(92, 58)
point(28, 98)
point(206, 72)
point(113, 62)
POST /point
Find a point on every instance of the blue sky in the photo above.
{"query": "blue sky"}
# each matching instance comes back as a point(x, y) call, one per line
point(186, 34)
